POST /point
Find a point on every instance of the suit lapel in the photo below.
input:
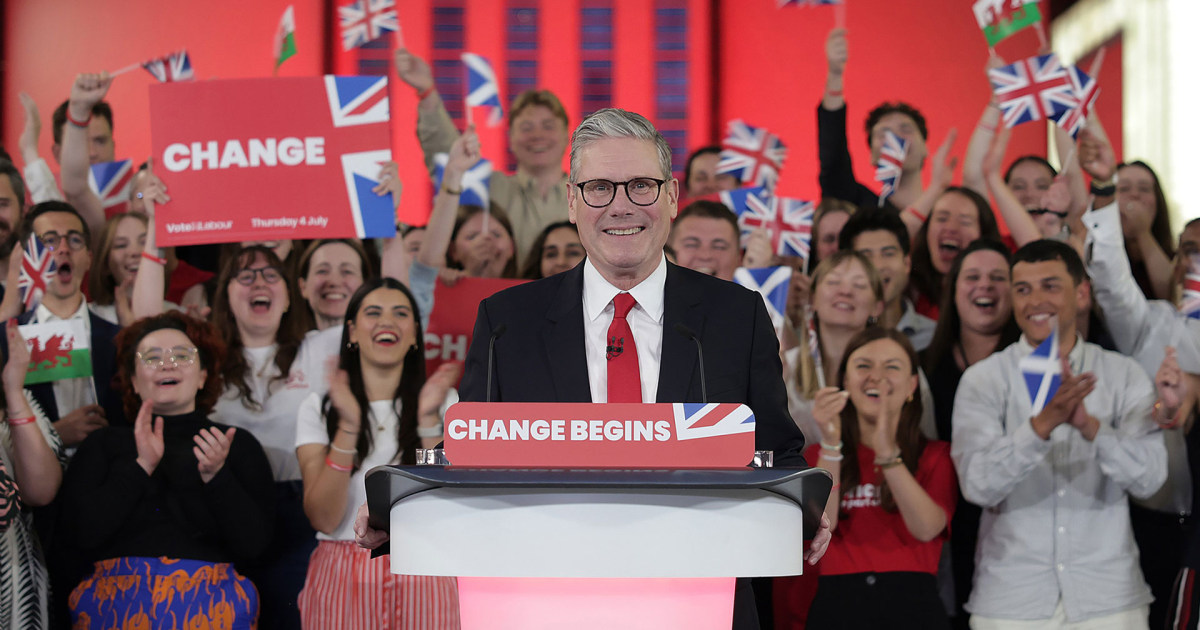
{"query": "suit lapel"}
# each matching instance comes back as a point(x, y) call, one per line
point(563, 340)
point(681, 305)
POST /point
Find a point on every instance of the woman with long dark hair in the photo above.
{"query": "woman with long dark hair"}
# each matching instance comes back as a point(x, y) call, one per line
point(959, 216)
point(378, 411)
point(893, 493)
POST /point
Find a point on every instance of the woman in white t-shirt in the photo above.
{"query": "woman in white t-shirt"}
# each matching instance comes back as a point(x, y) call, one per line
point(378, 411)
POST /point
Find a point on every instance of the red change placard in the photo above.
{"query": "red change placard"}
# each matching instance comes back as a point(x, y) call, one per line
point(453, 318)
point(264, 159)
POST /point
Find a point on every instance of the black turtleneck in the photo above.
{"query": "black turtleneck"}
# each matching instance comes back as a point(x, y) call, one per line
point(115, 509)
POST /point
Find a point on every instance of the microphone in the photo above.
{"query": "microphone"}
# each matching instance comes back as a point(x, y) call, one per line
point(687, 332)
point(497, 332)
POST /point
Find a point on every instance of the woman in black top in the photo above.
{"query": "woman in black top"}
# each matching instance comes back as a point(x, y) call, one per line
point(165, 507)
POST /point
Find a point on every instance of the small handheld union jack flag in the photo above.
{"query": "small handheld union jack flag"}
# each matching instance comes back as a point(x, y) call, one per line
point(891, 164)
point(1086, 90)
point(110, 181)
point(1032, 89)
point(37, 271)
point(752, 154)
point(173, 67)
point(1190, 304)
point(364, 21)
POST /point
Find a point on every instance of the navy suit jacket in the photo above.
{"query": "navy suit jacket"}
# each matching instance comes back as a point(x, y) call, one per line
point(104, 368)
point(540, 357)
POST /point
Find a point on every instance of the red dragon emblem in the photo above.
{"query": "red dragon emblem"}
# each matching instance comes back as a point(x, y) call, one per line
point(53, 351)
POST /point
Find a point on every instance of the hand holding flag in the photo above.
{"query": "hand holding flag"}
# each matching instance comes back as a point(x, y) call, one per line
point(1189, 305)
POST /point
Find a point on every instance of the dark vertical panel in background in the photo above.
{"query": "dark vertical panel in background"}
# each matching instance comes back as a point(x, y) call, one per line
point(596, 52)
point(449, 37)
point(521, 47)
point(671, 75)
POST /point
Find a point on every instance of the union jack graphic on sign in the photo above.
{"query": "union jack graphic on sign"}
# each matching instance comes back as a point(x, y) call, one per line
point(702, 420)
point(364, 21)
point(1033, 89)
point(110, 181)
point(373, 214)
point(357, 100)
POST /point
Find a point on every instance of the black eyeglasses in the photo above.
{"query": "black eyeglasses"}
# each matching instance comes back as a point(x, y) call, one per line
point(270, 275)
point(75, 240)
point(642, 191)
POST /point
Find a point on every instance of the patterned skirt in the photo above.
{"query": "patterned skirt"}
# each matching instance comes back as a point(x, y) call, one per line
point(134, 593)
point(348, 590)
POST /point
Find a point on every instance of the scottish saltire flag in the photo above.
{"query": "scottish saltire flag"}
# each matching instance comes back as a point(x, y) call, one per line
point(1086, 91)
point(173, 67)
point(57, 350)
point(891, 164)
point(474, 182)
point(1033, 89)
point(1043, 370)
point(773, 284)
point(374, 215)
point(37, 271)
point(1190, 304)
point(998, 19)
point(752, 154)
point(110, 181)
point(364, 21)
point(482, 88)
point(702, 420)
point(357, 100)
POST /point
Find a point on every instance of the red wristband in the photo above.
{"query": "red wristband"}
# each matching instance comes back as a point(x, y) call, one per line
point(336, 466)
point(833, 92)
point(81, 125)
point(423, 93)
point(16, 422)
point(153, 258)
point(916, 213)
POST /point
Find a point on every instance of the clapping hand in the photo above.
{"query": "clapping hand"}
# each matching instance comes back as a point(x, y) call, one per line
point(211, 449)
point(148, 435)
point(1170, 383)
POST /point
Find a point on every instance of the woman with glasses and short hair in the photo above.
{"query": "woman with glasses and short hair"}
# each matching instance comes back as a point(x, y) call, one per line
point(166, 507)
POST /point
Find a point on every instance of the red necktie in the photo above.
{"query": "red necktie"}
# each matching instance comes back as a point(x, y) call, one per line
point(624, 379)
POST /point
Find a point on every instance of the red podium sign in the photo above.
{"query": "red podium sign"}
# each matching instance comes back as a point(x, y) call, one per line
point(587, 435)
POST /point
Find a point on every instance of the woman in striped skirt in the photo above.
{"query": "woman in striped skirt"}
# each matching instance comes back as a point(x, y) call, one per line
point(378, 411)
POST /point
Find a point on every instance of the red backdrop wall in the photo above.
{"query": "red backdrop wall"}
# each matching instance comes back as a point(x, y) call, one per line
point(730, 59)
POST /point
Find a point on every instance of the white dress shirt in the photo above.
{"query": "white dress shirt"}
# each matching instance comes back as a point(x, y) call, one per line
point(1055, 521)
point(645, 320)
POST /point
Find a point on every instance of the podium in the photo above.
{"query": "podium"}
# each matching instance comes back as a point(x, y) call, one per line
point(596, 547)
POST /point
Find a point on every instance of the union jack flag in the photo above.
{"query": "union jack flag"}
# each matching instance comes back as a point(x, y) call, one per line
point(173, 67)
point(772, 283)
point(474, 182)
point(1086, 91)
point(891, 163)
point(364, 21)
point(1042, 369)
point(1033, 89)
point(110, 181)
point(1190, 304)
point(357, 100)
point(482, 88)
point(787, 221)
point(752, 154)
point(702, 420)
point(37, 271)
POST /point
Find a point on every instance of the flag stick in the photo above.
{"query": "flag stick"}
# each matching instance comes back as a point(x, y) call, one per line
point(129, 68)
point(1041, 31)
point(1097, 62)
point(839, 15)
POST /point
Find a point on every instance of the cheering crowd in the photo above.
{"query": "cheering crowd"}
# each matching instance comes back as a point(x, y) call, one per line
point(1008, 418)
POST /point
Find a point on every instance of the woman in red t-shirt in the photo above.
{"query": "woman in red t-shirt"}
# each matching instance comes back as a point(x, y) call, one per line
point(893, 494)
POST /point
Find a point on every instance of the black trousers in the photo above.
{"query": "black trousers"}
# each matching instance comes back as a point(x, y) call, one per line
point(890, 600)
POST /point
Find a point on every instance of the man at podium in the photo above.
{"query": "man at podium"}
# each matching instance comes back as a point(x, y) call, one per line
point(625, 325)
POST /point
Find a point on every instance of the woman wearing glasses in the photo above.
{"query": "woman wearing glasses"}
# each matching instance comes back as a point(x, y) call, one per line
point(164, 508)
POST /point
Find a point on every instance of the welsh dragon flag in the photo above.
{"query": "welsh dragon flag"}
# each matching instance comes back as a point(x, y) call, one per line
point(1000, 18)
point(57, 350)
point(285, 37)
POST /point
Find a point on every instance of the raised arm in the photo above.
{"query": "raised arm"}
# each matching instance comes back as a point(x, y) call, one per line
point(1020, 224)
point(38, 178)
point(941, 176)
point(981, 139)
point(435, 129)
point(36, 468)
point(149, 285)
point(87, 90)
point(837, 172)
point(463, 153)
point(326, 466)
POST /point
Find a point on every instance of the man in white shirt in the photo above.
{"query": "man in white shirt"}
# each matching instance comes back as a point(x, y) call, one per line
point(1055, 544)
point(77, 406)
